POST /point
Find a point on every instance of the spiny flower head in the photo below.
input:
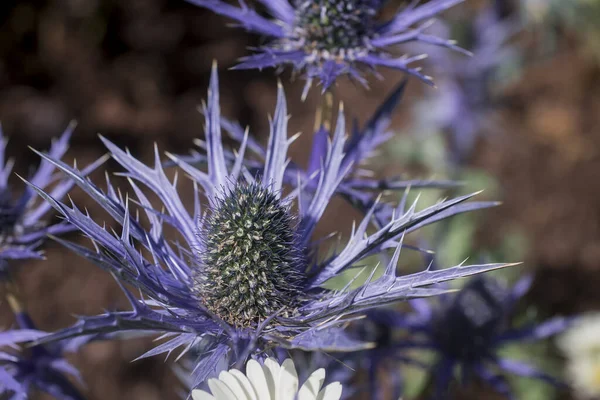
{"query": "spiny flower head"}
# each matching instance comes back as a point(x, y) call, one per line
point(23, 226)
point(247, 237)
point(333, 28)
point(329, 38)
point(251, 261)
point(468, 330)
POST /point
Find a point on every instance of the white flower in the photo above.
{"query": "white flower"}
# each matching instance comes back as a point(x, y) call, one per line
point(268, 382)
point(581, 345)
point(582, 338)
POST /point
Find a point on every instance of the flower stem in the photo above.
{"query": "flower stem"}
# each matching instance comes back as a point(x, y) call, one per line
point(324, 112)
point(13, 298)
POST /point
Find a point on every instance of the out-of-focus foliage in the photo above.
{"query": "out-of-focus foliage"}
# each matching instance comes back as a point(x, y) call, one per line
point(552, 17)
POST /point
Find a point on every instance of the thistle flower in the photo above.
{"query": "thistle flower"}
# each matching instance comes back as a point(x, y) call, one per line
point(270, 381)
point(244, 276)
point(329, 38)
point(42, 368)
point(580, 343)
point(461, 107)
point(469, 329)
point(22, 224)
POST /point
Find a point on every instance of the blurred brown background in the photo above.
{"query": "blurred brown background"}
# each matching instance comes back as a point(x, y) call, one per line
point(136, 70)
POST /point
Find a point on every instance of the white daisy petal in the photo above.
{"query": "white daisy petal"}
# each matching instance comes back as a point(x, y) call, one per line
point(333, 391)
point(288, 381)
point(220, 390)
point(257, 377)
point(202, 395)
point(313, 384)
point(269, 381)
point(233, 384)
point(243, 380)
point(271, 369)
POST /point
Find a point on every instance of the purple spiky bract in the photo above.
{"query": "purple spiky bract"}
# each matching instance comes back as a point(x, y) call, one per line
point(24, 220)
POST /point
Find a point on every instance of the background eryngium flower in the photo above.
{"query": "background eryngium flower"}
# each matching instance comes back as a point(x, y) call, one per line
point(462, 107)
point(221, 288)
point(24, 369)
point(22, 224)
point(468, 331)
point(328, 38)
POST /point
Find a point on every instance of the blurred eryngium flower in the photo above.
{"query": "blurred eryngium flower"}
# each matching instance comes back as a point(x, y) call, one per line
point(329, 38)
point(22, 224)
point(269, 382)
point(462, 106)
point(468, 330)
point(37, 368)
point(244, 276)
point(581, 345)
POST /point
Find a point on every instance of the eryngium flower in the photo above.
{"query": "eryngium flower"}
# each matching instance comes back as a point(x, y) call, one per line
point(220, 288)
point(468, 331)
point(462, 106)
point(22, 224)
point(328, 38)
point(270, 381)
point(37, 368)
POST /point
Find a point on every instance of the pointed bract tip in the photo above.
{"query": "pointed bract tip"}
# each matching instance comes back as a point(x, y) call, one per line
point(39, 153)
point(72, 125)
point(514, 264)
point(103, 158)
point(21, 178)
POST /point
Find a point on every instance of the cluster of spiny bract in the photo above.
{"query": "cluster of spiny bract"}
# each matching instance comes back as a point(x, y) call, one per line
point(334, 28)
point(250, 259)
